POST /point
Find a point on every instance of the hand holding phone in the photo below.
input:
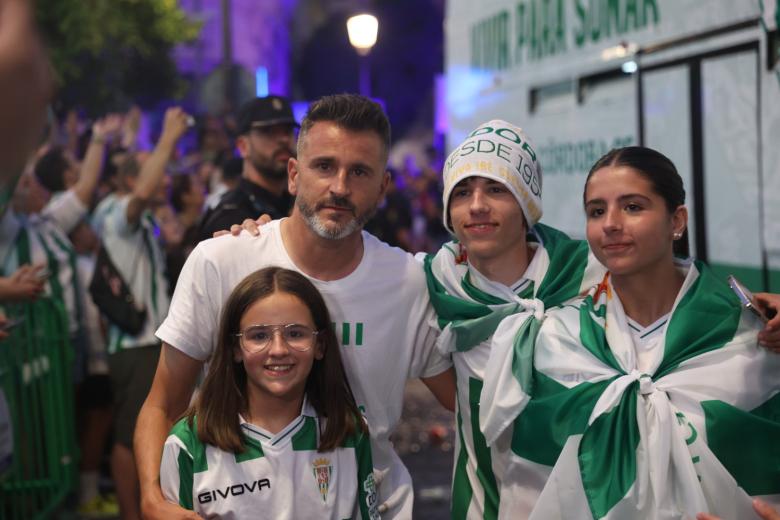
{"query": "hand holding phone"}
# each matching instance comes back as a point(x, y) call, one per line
point(746, 298)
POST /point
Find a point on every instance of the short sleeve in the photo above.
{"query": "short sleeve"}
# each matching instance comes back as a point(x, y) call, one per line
point(176, 471)
point(65, 211)
point(193, 317)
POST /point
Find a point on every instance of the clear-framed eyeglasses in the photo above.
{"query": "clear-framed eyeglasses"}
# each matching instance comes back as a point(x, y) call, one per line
point(256, 338)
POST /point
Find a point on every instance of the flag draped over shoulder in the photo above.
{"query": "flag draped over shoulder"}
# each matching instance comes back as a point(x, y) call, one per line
point(468, 316)
point(698, 433)
point(472, 315)
point(471, 308)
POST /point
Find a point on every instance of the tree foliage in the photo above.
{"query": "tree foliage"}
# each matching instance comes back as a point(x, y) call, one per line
point(110, 53)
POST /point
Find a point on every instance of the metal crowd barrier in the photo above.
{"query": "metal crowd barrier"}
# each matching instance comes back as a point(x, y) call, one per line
point(35, 375)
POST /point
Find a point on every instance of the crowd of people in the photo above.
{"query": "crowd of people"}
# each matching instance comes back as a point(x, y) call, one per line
point(609, 378)
point(491, 322)
point(87, 195)
point(91, 198)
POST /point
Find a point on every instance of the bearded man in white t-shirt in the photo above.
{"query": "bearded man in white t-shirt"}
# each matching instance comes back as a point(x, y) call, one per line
point(376, 295)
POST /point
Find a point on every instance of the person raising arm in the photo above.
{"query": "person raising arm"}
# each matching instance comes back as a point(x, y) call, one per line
point(130, 242)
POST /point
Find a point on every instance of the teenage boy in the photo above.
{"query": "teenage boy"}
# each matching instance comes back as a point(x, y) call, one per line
point(502, 260)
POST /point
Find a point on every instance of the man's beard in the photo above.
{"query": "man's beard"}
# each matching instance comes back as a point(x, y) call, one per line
point(316, 224)
point(268, 168)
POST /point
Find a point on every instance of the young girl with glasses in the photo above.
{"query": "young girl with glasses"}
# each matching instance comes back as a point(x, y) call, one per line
point(275, 431)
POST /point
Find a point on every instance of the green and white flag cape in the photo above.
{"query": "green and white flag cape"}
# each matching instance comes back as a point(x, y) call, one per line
point(561, 268)
point(468, 316)
point(699, 433)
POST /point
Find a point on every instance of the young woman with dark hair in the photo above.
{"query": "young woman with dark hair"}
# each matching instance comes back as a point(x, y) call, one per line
point(662, 174)
point(275, 428)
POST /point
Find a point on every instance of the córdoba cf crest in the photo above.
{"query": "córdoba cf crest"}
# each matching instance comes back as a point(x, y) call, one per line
point(322, 470)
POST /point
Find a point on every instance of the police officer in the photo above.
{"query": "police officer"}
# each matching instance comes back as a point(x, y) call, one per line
point(266, 142)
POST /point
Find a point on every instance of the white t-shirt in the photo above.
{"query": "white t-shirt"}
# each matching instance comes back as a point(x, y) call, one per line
point(65, 210)
point(139, 259)
point(280, 476)
point(382, 316)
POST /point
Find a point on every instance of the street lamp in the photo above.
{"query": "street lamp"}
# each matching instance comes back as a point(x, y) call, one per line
point(362, 30)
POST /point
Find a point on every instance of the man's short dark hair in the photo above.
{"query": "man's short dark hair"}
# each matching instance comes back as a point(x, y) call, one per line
point(50, 170)
point(349, 111)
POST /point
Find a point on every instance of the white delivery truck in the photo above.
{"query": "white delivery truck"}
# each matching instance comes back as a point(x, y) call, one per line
point(699, 80)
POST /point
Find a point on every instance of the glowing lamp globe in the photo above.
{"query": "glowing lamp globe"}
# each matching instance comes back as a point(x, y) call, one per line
point(362, 30)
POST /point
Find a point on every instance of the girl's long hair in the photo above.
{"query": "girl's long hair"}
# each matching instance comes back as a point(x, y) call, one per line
point(223, 395)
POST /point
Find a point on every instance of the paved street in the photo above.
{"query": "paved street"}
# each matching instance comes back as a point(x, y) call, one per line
point(425, 439)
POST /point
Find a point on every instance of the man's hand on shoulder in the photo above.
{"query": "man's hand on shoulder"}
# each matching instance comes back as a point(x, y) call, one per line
point(252, 226)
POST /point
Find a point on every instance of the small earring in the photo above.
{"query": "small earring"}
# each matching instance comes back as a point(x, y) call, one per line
point(677, 235)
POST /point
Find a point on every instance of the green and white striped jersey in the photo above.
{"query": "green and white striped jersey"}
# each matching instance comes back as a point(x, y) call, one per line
point(470, 309)
point(280, 476)
point(43, 239)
